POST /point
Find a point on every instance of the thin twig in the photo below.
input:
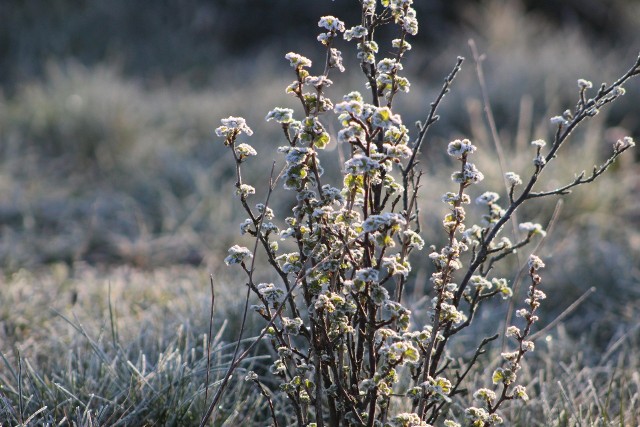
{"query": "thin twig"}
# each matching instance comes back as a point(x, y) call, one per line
point(516, 283)
point(213, 299)
point(272, 409)
point(580, 179)
point(234, 365)
point(423, 127)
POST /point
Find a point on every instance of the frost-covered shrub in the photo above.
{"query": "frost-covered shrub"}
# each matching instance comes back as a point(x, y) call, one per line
point(347, 351)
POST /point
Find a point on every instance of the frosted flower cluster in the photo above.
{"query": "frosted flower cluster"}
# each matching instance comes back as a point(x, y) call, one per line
point(400, 44)
point(559, 121)
point(245, 190)
point(469, 175)
point(367, 51)
point(298, 61)
point(532, 228)
point(280, 115)
point(333, 26)
point(539, 143)
point(584, 84)
point(233, 126)
point(331, 23)
point(360, 164)
point(487, 198)
point(460, 148)
point(237, 255)
point(244, 150)
point(406, 420)
point(357, 32)
point(404, 14)
point(381, 222)
point(624, 143)
point(384, 118)
point(513, 178)
point(535, 262)
point(270, 292)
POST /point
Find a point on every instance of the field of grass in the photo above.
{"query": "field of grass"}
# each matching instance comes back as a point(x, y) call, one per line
point(125, 347)
point(116, 206)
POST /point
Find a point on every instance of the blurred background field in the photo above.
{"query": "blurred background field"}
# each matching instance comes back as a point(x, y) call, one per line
point(110, 174)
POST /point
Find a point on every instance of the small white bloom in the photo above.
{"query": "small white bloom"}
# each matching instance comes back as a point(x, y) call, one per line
point(324, 38)
point(503, 287)
point(318, 81)
point(398, 151)
point(270, 292)
point(410, 22)
point(280, 115)
point(487, 198)
point(513, 331)
point(528, 345)
point(559, 120)
point(297, 60)
point(369, 7)
point(350, 107)
point(379, 222)
point(356, 32)
point(266, 211)
point(485, 394)
point(384, 118)
point(367, 275)
point(532, 228)
point(403, 84)
point(624, 143)
point(415, 241)
point(520, 392)
point(406, 420)
point(367, 51)
point(245, 150)
point(245, 190)
point(470, 174)
point(395, 265)
point(510, 355)
point(450, 313)
point(477, 415)
point(246, 225)
point(360, 165)
point(235, 125)
point(298, 155)
point(459, 147)
point(539, 161)
point(331, 23)
point(480, 282)
point(473, 233)
point(513, 178)
point(539, 143)
point(584, 84)
point(335, 59)
point(535, 262)
point(237, 255)
point(388, 66)
point(539, 295)
point(401, 44)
